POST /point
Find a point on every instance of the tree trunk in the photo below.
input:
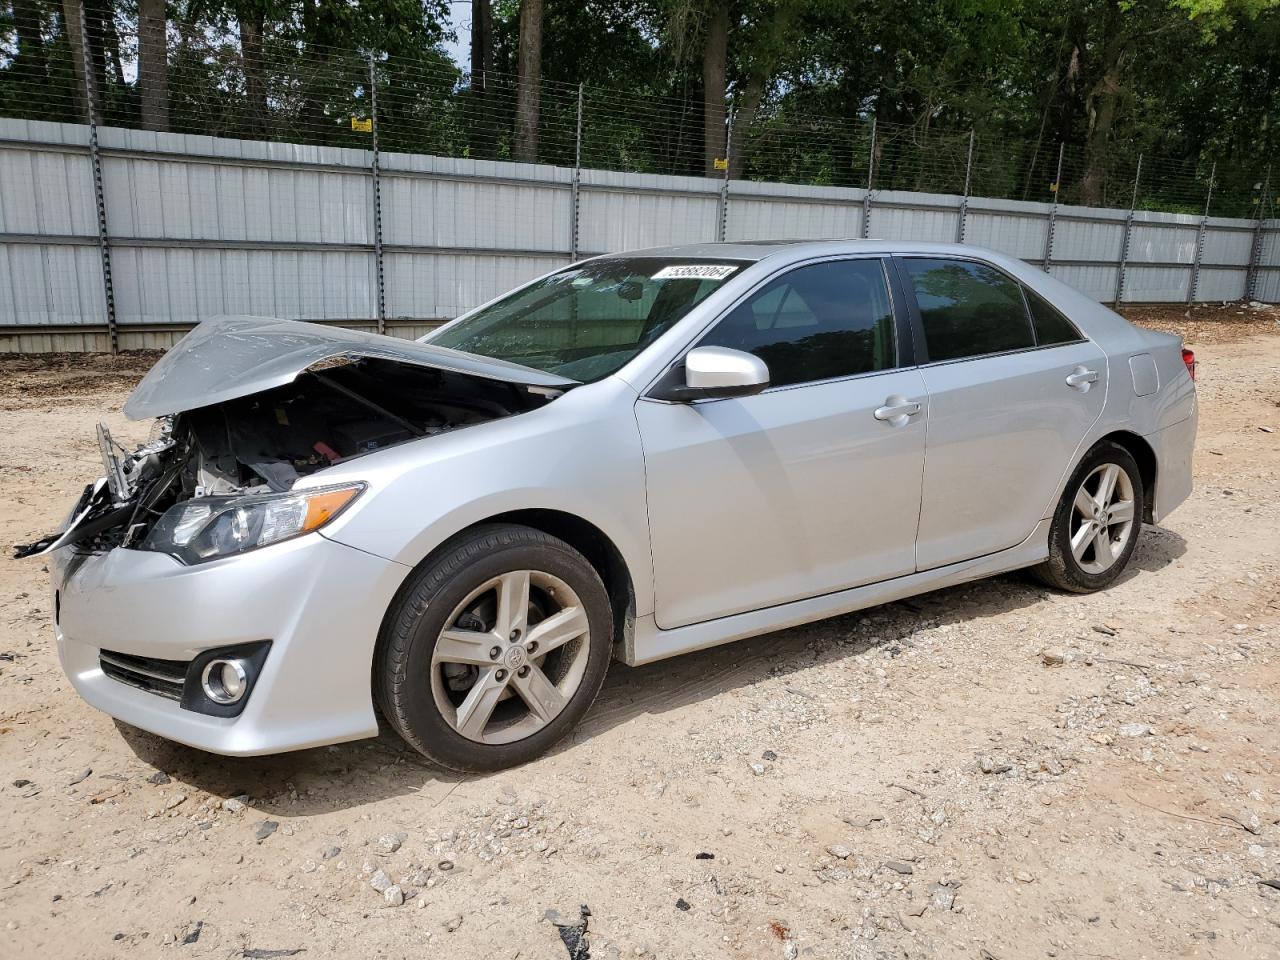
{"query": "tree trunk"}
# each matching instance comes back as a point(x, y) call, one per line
point(766, 45)
point(482, 41)
point(251, 21)
point(153, 64)
point(29, 62)
point(748, 107)
point(109, 42)
point(71, 15)
point(1050, 94)
point(1100, 108)
point(528, 82)
point(319, 29)
point(715, 56)
point(480, 131)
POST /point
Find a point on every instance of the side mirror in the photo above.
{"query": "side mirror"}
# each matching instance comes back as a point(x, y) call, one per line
point(710, 373)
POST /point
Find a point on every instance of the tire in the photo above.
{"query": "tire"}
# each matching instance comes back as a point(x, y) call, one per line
point(470, 701)
point(1089, 569)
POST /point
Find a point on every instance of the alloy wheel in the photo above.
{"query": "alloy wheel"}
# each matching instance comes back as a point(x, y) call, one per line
point(511, 656)
point(1102, 518)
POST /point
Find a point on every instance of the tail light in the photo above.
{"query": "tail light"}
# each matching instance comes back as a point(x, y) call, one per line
point(1189, 358)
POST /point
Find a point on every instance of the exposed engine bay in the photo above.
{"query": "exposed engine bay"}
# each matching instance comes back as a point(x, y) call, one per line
point(263, 443)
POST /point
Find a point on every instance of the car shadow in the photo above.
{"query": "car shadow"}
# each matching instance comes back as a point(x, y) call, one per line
point(319, 781)
point(681, 681)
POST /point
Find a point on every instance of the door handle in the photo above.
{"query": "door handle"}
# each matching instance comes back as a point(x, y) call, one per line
point(896, 410)
point(1081, 378)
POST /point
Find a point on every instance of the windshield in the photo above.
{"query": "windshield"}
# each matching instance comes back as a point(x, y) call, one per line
point(587, 321)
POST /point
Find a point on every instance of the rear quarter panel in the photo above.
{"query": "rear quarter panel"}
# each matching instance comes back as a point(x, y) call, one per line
point(1166, 418)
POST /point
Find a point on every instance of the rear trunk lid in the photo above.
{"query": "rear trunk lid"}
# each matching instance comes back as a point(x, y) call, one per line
point(229, 357)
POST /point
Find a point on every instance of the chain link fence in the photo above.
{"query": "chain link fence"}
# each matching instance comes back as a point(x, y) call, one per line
point(284, 178)
point(276, 87)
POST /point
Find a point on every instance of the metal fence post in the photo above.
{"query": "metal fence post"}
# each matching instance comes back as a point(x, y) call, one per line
point(964, 198)
point(1194, 286)
point(99, 195)
point(1056, 189)
point(379, 273)
point(1255, 255)
point(577, 184)
point(1128, 235)
point(871, 173)
point(722, 217)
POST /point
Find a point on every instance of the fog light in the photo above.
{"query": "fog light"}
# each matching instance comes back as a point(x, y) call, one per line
point(224, 681)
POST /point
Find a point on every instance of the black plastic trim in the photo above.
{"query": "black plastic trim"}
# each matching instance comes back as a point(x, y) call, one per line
point(252, 655)
point(164, 678)
point(671, 387)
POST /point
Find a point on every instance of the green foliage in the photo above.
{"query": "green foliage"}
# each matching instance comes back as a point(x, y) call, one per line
point(1185, 84)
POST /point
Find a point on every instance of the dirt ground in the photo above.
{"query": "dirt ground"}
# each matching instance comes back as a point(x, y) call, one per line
point(990, 771)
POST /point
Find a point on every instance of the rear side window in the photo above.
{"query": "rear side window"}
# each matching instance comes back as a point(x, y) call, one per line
point(1051, 326)
point(826, 320)
point(968, 309)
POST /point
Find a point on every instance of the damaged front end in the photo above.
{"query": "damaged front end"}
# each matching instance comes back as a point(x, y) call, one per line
point(104, 515)
point(281, 401)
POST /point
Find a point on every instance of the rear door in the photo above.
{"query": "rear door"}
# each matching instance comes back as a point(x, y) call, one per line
point(1013, 389)
point(807, 488)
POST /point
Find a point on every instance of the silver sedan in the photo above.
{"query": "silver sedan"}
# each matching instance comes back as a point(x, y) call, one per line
point(635, 456)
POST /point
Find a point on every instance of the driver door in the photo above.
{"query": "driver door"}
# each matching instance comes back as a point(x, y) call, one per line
point(812, 486)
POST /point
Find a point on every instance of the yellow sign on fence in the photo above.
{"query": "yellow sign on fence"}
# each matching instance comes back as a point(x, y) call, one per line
point(722, 163)
point(362, 126)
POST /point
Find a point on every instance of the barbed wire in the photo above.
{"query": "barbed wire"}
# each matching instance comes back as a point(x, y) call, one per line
point(287, 90)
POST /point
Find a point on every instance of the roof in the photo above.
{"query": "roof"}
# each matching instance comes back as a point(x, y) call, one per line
point(754, 250)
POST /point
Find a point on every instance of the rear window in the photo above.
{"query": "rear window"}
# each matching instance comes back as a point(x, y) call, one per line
point(1051, 326)
point(968, 309)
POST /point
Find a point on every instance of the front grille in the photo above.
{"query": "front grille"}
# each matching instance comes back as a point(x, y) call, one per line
point(161, 677)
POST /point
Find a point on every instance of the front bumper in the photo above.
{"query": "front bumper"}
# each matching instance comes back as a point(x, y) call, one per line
point(320, 603)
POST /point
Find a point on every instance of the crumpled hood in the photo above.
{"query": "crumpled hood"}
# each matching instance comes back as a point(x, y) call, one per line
point(228, 357)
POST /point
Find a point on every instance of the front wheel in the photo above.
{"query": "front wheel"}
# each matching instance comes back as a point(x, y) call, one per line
point(1096, 526)
point(495, 649)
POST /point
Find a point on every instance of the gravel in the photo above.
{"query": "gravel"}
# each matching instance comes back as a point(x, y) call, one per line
point(1134, 846)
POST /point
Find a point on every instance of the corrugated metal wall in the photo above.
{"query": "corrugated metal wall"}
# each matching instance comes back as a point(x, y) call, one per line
point(199, 226)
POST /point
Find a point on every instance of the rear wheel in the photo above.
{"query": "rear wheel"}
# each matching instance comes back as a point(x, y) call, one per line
point(495, 650)
point(1096, 526)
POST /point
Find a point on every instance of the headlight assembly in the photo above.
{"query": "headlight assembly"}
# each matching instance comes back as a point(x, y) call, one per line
point(211, 527)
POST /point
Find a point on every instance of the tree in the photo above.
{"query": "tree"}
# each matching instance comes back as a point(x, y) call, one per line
point(28, 59)
point(153, 64)
point(1176, 80)
point(481, 41)
point(765, 39)
point(524, 146)
point(251, 20)
point(479, 130)
point(98, 18)
point(715, 63)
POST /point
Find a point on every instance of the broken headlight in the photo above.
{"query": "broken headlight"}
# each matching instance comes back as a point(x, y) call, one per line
point(211, 527)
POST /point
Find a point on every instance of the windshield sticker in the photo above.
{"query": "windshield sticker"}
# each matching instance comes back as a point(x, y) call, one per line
point(695, 271)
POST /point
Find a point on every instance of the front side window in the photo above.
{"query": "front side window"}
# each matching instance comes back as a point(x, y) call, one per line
point(589, 320)
point(968, 309)
point(826, 320)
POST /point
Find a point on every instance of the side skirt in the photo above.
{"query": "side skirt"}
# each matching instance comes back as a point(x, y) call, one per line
point(647, 642)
